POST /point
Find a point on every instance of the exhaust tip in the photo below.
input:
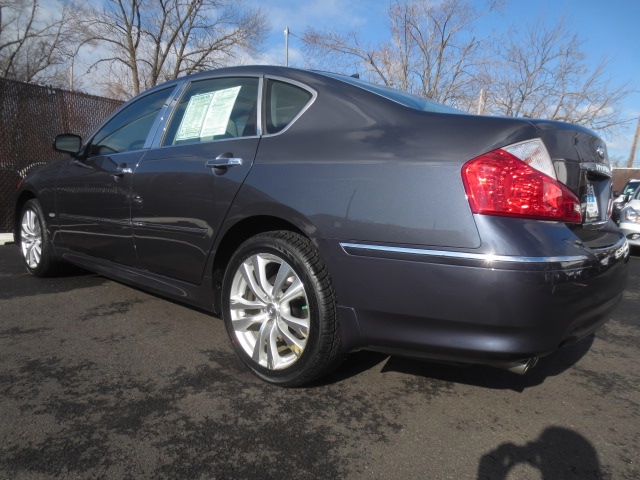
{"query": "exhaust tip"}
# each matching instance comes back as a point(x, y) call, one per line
point(521, 367)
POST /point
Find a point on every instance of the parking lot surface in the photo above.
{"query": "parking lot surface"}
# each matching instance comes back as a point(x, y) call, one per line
point(100, 380)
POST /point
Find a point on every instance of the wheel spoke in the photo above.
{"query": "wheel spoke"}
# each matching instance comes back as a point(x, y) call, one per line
point(242, 324)
point(300, 325)
point(241, 303)
point(260, 263)
point(27, 229)
point(27, 225)
point(262, 350)
point(295, 290)
point(274, 359)
point(248, 274)
point(34, 254)
point(284, 272)
point(290, 338)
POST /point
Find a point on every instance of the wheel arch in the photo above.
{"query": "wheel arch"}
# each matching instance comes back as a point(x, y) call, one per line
point(236, 235)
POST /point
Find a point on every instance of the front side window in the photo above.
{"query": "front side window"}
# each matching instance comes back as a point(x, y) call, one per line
point(129, 129)
point(284, 103)
point(214, 109)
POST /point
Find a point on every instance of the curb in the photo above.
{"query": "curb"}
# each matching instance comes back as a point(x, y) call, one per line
point(6, 238)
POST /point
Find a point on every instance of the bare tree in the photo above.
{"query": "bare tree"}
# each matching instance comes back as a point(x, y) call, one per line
point(432, 49)
point(150, 41)
point(35, 44)
point(542, 73)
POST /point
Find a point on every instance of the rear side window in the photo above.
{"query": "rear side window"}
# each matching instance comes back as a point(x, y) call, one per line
point(129, 129)
point(284, 103)
point(214, 109)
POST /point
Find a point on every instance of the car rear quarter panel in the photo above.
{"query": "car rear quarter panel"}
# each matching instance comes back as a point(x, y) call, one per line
point(360, 167)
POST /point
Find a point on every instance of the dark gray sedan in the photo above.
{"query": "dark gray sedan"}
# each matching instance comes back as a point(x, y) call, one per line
point(318, 214)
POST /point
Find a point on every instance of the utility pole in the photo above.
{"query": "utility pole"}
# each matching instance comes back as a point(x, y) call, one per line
point(286, 46)
point(482, 100)
point(632, 155)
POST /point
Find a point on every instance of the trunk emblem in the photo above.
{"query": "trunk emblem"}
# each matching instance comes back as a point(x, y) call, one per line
point(601, 151)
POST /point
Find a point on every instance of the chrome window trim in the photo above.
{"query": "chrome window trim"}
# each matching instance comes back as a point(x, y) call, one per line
point(314, 95)
point(166, 114)
point(260, 106)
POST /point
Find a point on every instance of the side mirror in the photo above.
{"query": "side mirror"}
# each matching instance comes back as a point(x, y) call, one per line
point(616, 194)
point(68, 143)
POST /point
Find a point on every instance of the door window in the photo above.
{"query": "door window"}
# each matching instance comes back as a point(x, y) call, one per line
point(128, 130)
point(214, 109)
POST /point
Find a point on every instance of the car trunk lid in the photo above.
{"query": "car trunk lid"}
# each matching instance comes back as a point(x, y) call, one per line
point(581, 163)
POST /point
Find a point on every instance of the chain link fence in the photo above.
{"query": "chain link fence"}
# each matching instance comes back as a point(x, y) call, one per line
point(30, 117)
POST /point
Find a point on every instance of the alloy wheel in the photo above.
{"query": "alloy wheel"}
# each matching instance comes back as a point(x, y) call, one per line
point(269, 311)
point(31, 238)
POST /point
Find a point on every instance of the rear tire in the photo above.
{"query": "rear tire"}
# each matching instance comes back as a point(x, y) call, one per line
point(280, 309)
point(36, 248)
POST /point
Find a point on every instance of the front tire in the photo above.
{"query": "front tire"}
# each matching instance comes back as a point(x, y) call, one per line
point(280, 309)
point(37, 251)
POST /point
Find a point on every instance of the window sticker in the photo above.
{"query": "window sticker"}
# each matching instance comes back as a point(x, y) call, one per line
point(194, 116)
point(219, 113)
point(207, 114)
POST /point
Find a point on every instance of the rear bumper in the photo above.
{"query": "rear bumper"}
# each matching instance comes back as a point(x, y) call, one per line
point(472, 307)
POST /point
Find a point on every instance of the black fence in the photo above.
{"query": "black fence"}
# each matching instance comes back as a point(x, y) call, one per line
point(30, 117)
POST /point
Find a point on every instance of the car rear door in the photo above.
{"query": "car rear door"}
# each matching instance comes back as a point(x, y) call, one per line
point(182, 190)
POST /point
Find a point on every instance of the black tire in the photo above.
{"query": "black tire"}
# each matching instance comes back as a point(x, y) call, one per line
point(35, 246)
point(288, 332)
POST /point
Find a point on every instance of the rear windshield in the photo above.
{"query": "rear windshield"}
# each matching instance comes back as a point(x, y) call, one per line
point(405, 98)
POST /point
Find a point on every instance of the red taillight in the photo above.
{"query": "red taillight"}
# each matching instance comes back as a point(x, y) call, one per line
point(499, 183)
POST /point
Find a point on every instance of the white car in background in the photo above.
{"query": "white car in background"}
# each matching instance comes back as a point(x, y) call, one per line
point(621, 200)
point(630, 220)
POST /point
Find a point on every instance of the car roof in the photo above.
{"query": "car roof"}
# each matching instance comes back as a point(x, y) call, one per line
point(317, 79)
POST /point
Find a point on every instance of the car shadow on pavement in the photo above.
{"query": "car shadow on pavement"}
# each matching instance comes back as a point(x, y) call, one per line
point(16, 282)
point(475, 375)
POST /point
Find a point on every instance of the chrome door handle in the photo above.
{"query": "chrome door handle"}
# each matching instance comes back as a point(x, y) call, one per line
point(224, 160)
point(122, 171)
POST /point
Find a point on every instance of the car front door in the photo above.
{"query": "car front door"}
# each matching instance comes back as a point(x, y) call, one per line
point(182, 190)
point(94, 189)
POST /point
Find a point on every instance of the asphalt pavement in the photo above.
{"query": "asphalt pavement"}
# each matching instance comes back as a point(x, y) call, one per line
point(102, 381)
